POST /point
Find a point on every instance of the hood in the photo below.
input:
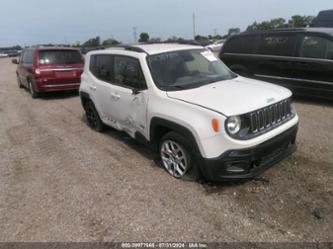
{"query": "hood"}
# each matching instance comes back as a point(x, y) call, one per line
point(233, 97)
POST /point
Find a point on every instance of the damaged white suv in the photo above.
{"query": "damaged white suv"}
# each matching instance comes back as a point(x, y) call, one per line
point(203, 119)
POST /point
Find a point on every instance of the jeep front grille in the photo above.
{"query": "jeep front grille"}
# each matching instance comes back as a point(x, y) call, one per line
point(270, 116)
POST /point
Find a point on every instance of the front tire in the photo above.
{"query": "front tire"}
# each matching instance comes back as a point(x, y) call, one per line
point(177, 157)
point(93, 119)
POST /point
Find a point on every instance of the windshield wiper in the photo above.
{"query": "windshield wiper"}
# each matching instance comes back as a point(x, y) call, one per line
point(174, 87)
point(179, 86)
point(211, 81)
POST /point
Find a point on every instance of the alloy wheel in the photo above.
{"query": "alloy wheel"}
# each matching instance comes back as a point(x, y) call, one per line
point(174, 158)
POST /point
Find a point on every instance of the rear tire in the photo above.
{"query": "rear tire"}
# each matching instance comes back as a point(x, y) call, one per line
point(93, 119)
point(32, 90)
point(178, 158)
point(19, 81)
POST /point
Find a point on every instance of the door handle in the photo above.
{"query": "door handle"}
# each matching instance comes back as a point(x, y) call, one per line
point(115, 96)
point(93, 88)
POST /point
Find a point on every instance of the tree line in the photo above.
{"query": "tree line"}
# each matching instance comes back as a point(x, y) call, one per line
point(296, 21)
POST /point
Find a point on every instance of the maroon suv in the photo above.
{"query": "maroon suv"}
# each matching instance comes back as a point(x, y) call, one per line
point(46, 69)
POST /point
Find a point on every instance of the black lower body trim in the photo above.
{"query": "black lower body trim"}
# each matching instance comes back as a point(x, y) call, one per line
point(250, 162)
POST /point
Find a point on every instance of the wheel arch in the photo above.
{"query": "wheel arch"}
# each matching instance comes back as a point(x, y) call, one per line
point(160, 126)
point(85, 97)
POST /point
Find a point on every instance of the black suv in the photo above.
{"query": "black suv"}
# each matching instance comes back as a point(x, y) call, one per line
point(299, 59)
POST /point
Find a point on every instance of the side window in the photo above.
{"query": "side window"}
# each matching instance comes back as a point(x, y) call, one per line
point(28, 57)
point(241, 44)
point(101, 67)
point(316, 47)
point(232, 46)
point(280, 44)
point(22, 57)
point(127, 72)
point(247, 44)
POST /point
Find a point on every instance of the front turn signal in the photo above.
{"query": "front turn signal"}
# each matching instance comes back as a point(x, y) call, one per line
point(215, 125)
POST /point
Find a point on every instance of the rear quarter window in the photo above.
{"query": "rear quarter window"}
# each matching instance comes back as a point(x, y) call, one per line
point(61, 57)
point(101, 67)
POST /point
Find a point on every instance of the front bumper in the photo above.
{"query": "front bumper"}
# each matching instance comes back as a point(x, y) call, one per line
point(250, 162)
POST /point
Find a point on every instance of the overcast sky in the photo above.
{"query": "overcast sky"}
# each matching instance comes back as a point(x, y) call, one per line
point(27, 22)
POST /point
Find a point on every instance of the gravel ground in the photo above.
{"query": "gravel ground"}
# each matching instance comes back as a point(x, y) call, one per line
point(61, 181)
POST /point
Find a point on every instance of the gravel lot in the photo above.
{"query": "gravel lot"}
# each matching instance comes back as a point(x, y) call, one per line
point(61, 181)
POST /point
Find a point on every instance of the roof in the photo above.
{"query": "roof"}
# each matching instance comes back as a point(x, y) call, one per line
point(41, 47)
point(312, 29)
point(158, 48)
point(57, 48)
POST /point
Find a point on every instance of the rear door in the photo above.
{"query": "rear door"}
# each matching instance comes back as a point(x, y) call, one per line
point(25, 68)
point(20, 72)
point(274, 57)
point(313, 66)
point(100, 88)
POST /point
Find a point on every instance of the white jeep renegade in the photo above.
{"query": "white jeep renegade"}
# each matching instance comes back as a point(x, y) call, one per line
point(202, 118)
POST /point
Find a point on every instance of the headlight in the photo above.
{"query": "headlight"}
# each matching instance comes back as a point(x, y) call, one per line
point(233, 124)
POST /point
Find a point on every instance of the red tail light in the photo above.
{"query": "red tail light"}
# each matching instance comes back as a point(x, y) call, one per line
point(36, 72)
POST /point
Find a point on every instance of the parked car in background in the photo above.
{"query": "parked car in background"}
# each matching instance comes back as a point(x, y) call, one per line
point(12, 53)
point(324, 19)
point(3, 54)
point(186, 104)
point(216, 46)
point(204, 42)
point(299, 59)
point(46, 69)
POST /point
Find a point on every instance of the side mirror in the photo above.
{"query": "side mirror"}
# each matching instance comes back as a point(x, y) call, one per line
point(15, 61)
point(136, 91)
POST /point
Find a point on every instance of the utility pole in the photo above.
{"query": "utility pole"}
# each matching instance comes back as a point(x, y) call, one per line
point(135, 35)
point(194, 32)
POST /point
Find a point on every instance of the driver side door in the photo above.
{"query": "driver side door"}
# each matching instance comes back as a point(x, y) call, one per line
point(129, 95)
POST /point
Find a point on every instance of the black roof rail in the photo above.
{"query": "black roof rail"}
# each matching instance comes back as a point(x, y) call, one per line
point(286, 29)
point(272, 31)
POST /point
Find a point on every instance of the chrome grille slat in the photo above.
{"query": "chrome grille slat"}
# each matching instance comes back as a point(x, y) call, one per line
point(270, 116)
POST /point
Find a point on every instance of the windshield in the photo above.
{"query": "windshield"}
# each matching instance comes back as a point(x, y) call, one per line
point(49, 57)
point(187, 69)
